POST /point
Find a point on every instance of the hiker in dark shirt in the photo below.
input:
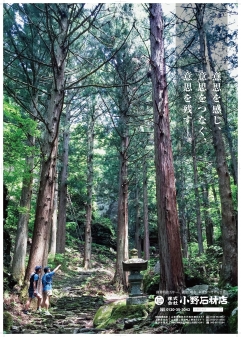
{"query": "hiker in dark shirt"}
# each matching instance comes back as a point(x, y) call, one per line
point(33, 290)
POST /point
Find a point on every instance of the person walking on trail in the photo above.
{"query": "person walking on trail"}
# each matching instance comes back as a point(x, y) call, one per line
point(33, 290)
point(47, 287)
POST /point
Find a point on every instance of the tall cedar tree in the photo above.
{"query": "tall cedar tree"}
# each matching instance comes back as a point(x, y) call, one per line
point(120, 277)
point(171, 267)
point(90, 179)
point(61, 227)
point(44, 207)
point(146, 243)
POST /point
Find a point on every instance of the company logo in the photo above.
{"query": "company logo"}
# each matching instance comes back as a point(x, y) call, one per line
point(159, 300)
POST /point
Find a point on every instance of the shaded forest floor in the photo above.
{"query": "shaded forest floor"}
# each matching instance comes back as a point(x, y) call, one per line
point(77, 295)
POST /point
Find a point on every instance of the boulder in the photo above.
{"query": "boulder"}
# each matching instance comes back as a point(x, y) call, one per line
point(204, 289)
point(116, 313)
point(102, 317)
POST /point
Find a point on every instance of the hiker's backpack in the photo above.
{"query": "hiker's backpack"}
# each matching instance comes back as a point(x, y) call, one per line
point(31, 280)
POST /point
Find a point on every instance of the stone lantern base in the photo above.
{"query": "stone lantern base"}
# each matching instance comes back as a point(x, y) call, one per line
point(135, 295)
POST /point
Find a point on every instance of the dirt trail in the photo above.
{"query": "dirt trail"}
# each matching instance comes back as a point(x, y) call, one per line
point(74, 303)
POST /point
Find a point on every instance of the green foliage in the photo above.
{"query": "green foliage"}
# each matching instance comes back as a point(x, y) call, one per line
point(231, 308)
point(7, 321)
point(105, 222)
point(206, 266)
point(103, 254)
point(193, 265)
point(150, 279)
point(234, 189)
point(17, 128)
point(233, 323)
point(72, 233)
point(102, 232)
point(233, 292)
point(54, 261)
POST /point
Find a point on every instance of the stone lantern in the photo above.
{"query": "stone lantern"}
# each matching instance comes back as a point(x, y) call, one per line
point(134, 265)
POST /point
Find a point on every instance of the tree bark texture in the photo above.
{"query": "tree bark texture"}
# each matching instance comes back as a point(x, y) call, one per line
point(122, 218)
point(120, 277)
point(145, 214)
point(138, 220)
point(61, 227)
point(181, 179)
point(88, 237)
point(171, 267)
point(7, 242)
point(44, 207)
point(228, 227)
point(53, 237)
point(197, 198)
point(208, 220)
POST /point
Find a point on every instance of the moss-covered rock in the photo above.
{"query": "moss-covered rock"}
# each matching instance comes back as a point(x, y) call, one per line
point(103, 314)
point(7, 321)
point(111, 314)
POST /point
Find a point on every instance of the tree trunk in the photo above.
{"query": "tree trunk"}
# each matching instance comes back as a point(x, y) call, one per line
point(19, 257)
point(145, 214)
point(44, 206)
point(120, 277)
point(171, 267)
point(52, 249)
point(184, 235)
point(61, 228)
point(208, 220)
point(138, 220)
point(184, 232)
point(88, 237)
point(7, 242)
point(197, 200)
point(181, 182)
point(228, 228)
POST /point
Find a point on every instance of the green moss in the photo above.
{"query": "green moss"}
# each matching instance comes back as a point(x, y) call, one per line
point(24, 293)
point(7, 321)
point(107, 315)
point(130, 311)
point(103, 314)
